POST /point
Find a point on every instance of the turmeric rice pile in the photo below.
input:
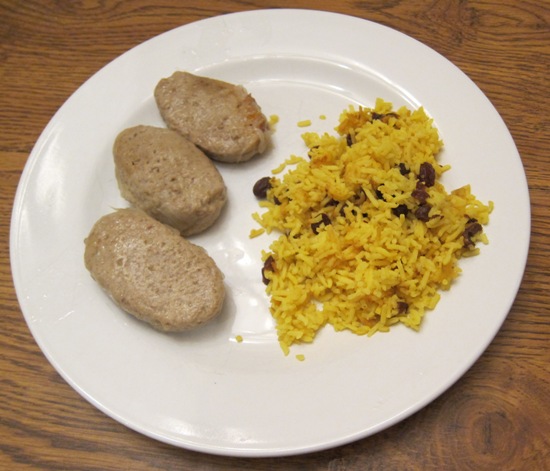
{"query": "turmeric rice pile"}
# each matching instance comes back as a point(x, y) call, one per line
point(367, 234)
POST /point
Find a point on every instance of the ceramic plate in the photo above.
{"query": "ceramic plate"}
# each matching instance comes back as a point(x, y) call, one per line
point(204, 390)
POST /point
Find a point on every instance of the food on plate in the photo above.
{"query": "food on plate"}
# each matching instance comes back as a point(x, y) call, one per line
point(168, 177)
point(367, 235)
point(222, 119)
point(152, 272)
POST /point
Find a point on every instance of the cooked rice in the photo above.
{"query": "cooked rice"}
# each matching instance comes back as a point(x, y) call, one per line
point(351, 250)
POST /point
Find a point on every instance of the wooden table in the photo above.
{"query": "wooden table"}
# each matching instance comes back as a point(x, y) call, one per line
point(495, 418)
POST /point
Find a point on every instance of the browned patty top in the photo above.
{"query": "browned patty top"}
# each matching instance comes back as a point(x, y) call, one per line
point(222, 119)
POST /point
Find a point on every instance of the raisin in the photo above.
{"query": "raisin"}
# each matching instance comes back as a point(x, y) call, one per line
point(384, 117)
point(471, 229)
point(403, 170)
point(261, 187)
point(325, 220)
point(402, 307)
point(427, 174)
point(423, 211)
point(400, 210)
point(269, 265)
point(420, 193)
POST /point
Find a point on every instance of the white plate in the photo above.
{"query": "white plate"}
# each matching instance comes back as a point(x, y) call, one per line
point(203, 390)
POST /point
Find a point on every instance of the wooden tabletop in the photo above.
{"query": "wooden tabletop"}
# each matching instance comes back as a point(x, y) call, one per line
point(494, 418)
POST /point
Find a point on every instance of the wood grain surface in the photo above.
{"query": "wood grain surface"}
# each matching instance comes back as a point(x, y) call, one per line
point(496, 417)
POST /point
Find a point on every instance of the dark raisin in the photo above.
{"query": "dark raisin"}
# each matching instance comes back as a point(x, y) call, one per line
point(472, 228)
point(402, 307)
point(427, 174)
point(420, 193)
point(315, 227)
point(403, 170)
point(423, 212)
point(261, 187)
point(332, 202)
point(325, 220)
point(400, 210)
point(383, 116)
point(269, 265)
point(276, 201)
point(349, 140)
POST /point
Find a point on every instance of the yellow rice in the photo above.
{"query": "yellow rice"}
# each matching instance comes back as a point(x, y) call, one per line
point(343, 255)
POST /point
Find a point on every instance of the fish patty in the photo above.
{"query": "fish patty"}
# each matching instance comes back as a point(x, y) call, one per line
point(168, 177)
point(153, 273)
point(222, 119)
